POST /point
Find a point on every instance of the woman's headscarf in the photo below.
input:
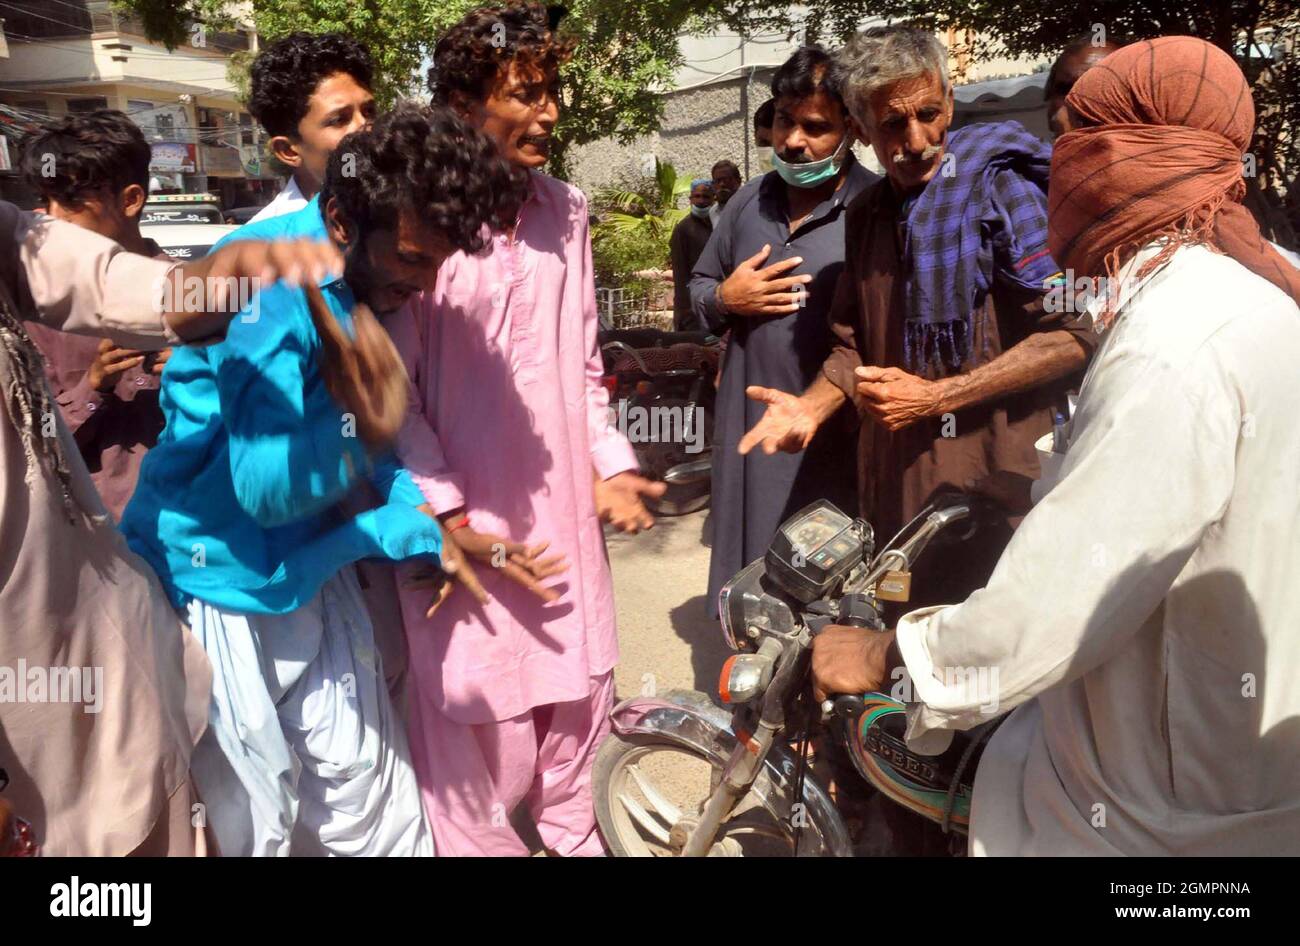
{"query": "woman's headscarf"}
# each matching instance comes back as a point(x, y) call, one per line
point(1174, 116)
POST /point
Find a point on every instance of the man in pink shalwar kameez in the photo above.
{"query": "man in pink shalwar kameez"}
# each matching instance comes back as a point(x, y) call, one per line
point(509, 430)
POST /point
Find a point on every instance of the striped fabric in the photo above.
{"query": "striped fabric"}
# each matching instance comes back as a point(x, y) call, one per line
point(1160, 156)
point(981, 219)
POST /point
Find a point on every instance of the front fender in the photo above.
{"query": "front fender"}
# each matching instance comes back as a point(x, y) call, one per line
point(690, 717)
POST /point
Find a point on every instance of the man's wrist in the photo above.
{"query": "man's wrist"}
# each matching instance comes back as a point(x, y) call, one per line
point(943, 394)
point(718, 301)
point(893, 660)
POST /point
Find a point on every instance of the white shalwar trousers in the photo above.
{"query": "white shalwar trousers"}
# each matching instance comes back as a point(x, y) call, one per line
point(304, 753)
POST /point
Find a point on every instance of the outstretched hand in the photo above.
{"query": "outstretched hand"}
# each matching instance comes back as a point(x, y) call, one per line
point(788, 424)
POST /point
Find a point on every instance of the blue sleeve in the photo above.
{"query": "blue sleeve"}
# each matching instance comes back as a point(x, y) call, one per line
point(394, 483)
point(291, 453)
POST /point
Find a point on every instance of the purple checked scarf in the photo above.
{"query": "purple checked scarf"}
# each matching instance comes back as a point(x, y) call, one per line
point(983, 216)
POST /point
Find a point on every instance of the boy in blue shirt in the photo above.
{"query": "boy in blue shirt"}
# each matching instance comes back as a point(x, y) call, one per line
point(238, 507)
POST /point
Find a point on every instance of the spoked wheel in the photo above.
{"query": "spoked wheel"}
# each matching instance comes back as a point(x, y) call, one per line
point(649, 793)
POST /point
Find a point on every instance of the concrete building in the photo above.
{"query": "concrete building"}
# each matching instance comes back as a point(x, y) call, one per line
point(69, 56)
point(725, 77)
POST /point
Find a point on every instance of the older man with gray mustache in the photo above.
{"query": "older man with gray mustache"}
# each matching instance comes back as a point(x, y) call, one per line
point(943, 342)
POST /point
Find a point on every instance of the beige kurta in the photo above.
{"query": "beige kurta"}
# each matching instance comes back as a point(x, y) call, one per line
point(1144, 616)
point(72, 596)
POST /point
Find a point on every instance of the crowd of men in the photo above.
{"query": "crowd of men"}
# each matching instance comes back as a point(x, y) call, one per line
point(336, 549)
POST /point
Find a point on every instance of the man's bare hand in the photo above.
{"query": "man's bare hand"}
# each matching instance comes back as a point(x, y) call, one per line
point(522, 564)
point(618, 501)
point(364, 373)
point(452, 564)
point(788, 424)
point(750, 290)
point(160, 361)
point(896, 399)
point(243, 268)
point(297, 262)
point(849, 660)
point(109, 365)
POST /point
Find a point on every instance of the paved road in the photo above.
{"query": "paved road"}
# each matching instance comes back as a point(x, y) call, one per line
point(666, 637)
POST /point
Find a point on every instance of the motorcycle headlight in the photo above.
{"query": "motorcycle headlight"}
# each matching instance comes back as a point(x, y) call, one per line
point(743, 677)
point(731, 605)
point(748, 611)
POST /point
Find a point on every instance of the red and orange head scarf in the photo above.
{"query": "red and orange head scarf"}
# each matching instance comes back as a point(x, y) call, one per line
point(1172, 117)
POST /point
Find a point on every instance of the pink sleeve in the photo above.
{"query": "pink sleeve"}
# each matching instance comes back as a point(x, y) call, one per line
point(418, 447)
point(610, 451)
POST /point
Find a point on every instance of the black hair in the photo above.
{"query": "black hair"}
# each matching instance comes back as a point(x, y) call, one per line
point(84, 154)
point(724, 163)
point(426, 160)
point(765, 114)
point(807, 72)
point(1079, 44)
point(286, 74)
point(470, 55)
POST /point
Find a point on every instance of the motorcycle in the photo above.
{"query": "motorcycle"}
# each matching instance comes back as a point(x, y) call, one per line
point(744, 791)
point(662, 397)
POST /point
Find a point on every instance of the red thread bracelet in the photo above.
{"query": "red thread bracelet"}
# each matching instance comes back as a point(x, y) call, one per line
point(464, 521)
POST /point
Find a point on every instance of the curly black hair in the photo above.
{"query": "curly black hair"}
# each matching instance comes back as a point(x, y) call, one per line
point(286, 73)
point(470, 55)
point(85, 154)
point(427, 160)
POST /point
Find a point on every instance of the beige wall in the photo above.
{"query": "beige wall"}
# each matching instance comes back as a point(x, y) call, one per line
point(99, 58)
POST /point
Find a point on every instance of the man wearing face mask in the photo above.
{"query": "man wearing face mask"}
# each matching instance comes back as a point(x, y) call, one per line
point(768, 275)
point(685, 246)
point(944, 344)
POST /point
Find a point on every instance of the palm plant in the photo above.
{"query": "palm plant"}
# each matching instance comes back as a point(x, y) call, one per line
point(652, 211)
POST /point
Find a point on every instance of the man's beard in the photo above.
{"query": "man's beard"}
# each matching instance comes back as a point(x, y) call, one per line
point(357, 273)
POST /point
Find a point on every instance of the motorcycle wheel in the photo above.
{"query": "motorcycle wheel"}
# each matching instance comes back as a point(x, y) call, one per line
point(648, 790)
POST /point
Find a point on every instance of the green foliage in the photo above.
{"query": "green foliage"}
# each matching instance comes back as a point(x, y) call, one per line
point(652, 208)
point(169, 21)
point(637, 217)
point(625, 51)
point(616, 256)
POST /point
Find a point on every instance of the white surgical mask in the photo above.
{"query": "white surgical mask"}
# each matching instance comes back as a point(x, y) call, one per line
point(765, 158)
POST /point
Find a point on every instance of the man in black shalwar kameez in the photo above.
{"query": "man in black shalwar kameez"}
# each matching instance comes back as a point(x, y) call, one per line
point(768, 274)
